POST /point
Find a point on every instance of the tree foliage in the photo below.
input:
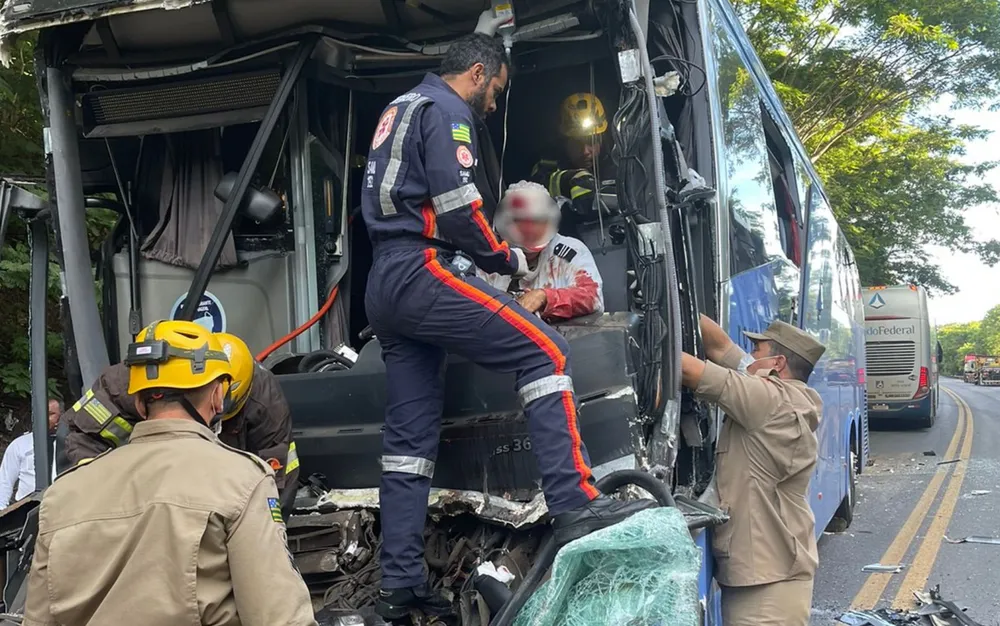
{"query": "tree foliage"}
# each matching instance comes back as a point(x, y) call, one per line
point(957, 340)
point(856, 76)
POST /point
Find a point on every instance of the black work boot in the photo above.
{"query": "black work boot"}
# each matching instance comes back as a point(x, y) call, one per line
point(397, 603)
point(599, 513)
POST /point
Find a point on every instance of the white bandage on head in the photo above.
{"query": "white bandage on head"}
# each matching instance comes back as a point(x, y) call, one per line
point(526, 200)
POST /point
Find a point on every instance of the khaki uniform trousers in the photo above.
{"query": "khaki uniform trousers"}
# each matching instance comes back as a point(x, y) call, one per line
point(784, 603)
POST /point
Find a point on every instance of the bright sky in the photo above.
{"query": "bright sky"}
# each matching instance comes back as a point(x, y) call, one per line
point(976, 281)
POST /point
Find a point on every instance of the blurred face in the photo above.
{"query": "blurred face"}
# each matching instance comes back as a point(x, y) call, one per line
point(531, 233)
point(487, 90)
point(582, 151)
point(765, 359)
point(54, 412)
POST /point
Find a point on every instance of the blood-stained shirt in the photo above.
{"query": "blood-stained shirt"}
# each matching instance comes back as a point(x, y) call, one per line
point(566, 271)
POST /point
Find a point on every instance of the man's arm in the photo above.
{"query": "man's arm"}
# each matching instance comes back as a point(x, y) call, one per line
point(37, 610)
point(9, 468)
point(269, 431)
point(585, 296)
point(746, 399)
point(449, 160)
point(717, 342)
point(266, 586)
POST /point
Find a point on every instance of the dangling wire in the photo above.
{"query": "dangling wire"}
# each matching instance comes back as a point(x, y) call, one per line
point(503, 148)
point(595, 166)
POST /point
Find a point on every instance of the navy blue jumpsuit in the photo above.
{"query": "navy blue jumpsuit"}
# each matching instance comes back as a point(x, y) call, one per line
point(421, 205)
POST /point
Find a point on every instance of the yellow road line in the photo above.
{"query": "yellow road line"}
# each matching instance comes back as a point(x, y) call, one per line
point(871, 592)
point(920, 570)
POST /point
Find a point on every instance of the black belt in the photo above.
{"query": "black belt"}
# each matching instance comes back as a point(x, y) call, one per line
point(410, 242)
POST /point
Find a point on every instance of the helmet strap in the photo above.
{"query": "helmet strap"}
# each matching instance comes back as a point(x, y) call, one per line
point(191, 411)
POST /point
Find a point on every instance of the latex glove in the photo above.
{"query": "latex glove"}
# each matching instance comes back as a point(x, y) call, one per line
point(488, 24)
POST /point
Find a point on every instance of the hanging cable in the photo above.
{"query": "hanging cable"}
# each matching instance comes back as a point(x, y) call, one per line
point(266, 352)
point(503, 148)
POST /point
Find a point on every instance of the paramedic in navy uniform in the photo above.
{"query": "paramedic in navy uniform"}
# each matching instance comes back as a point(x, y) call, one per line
point(424, 215)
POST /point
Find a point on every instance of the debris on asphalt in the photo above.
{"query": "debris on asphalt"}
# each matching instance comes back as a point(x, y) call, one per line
point(930, 453)
point(933, 611)
point(883, 569)
point(882, 617)
point(995, 541)
point(980, 492)
point(949, 462)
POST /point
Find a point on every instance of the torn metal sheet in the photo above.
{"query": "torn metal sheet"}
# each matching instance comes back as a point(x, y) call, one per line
point(995, 541)
point(949, 462)
point(448, 502)
point(883, 569)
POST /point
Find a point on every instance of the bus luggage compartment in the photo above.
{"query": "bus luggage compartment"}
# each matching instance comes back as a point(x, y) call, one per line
point(337, 416)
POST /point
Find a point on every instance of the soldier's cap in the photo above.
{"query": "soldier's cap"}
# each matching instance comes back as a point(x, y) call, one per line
point(793, 339)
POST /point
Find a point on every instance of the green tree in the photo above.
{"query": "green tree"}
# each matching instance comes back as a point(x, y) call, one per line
point(854, 76)
point(956, 341)
point(22, 156)
point(989, 330)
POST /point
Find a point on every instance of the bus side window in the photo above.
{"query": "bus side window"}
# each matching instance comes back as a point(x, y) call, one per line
point(786, 191)
point(754, 231)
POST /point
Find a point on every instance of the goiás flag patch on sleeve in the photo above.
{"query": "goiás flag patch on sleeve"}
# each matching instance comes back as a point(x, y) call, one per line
point(272, 503)
point(461, 132)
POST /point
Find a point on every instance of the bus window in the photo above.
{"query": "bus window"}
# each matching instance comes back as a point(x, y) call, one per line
point(754, 234)
point(822, 250)
point(786, 196)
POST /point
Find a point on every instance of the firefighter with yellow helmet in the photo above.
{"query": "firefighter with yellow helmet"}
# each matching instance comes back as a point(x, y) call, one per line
point(583, 125)
point(256, 418)
point(174, 510)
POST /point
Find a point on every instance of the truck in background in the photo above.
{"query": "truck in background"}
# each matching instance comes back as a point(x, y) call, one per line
point(902, 354)
point(974, 363)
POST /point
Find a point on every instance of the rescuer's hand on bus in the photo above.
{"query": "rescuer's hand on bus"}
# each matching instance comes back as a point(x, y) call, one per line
point(533, 300)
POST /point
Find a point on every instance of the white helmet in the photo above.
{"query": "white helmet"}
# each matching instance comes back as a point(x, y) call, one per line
point(527, 201)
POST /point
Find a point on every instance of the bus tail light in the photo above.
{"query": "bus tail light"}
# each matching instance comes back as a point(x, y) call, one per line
point(923, 386)
point(861, 376)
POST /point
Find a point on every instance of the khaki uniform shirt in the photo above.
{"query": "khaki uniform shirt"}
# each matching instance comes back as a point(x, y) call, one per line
point(172, 529)
point(765, 456)
point(105, 416)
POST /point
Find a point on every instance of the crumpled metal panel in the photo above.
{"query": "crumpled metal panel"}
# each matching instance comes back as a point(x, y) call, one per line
point(448, 502)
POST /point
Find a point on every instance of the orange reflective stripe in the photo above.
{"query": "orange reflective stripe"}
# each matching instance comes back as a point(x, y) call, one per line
point(540, 339)
point(495, 244)
point(430, 220)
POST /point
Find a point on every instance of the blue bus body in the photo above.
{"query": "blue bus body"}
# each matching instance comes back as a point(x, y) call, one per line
point(820, 293)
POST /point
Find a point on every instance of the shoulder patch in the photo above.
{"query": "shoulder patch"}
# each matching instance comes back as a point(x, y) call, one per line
point(464, 156)
point(564, 252)
point(275, 507)
point(384, 128)
point(461, 132)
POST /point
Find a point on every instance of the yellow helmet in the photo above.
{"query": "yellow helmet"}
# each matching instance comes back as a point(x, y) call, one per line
point(243, 366)
point(582, 115)
point(175, 355)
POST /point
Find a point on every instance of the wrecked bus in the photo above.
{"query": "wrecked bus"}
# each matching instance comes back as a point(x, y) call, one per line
point(230, 137)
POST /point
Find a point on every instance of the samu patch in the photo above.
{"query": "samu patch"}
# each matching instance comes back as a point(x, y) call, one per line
point(272, 503)
point(384, 128)
point(464, 156)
